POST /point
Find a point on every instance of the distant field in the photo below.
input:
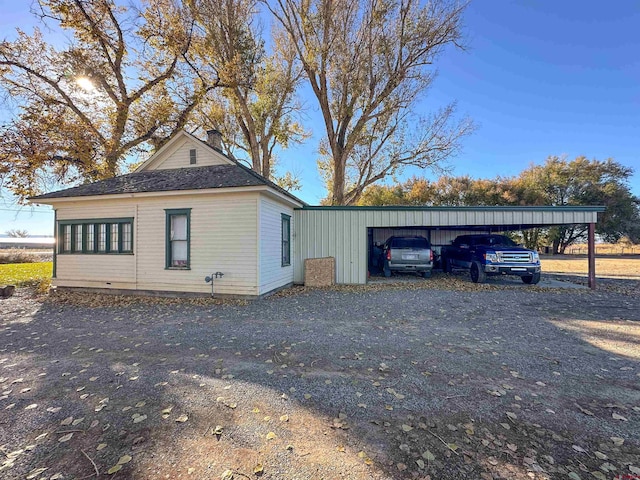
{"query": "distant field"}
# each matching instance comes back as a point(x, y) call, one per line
point(25, 273)
point(605, 249)
point(627, 266)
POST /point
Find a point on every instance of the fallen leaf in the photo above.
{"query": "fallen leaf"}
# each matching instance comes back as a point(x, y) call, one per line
point(618, 417)
point(182, 418)
point(101, 446)
point(406, 428)
point(617, 441)
point(271, 436)
point(114, 469)
point(428, 456)
point(258, 469)
point(65, 438)
point(139, 418)
point(124, 459)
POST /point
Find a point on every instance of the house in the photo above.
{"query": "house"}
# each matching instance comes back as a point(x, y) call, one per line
point(190, 212)
point(186, 213)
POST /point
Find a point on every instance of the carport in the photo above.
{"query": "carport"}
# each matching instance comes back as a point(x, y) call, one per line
point(348, 233)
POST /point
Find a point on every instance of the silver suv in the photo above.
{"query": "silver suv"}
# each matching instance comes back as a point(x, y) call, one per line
point(408, 254)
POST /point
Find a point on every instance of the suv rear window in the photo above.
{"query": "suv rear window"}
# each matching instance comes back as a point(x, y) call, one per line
point(409, 243)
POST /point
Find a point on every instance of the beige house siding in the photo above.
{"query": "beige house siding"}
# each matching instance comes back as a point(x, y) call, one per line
point(95, 270)
point(177, 156)
point(272, 273)
point(223, 238)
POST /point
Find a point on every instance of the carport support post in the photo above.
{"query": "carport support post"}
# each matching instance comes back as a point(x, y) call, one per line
point(592, 255)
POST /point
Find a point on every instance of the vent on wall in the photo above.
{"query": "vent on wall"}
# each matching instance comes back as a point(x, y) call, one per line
point(192, 156)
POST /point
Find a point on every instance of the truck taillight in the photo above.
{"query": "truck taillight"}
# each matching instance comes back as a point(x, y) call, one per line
point(431, 255)
point(389, 254)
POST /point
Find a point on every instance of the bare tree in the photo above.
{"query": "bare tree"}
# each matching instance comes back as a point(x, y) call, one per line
point(17, 233)
point(127, 82)
point(257, 109)
point(368, 62)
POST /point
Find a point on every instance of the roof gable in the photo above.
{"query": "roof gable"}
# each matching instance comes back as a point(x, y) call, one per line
point(176, 153)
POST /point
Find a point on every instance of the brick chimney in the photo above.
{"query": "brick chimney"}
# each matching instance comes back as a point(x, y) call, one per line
point(214, 139)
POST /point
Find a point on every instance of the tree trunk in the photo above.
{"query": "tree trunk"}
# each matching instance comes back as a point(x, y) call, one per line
point(266, 161)
point(337, 187)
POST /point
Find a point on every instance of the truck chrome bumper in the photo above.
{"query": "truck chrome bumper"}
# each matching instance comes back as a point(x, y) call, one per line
point(511, 269)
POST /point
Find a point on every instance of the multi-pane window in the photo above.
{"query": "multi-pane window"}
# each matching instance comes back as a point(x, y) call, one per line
point(114, 244)
point(77, 236)
point(114, 235)
point(66, 238)
point(102, 237)
point(90, 236)
point(178, 238)
point(286, 240)
point(192, 156)
point(126, 237)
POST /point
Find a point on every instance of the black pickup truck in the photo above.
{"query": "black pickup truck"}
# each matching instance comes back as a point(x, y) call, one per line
point(486, 255)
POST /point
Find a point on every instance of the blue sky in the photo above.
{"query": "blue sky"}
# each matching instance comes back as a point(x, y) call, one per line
point(539, 78)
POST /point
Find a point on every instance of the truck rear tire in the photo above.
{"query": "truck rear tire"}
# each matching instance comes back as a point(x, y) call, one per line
point(477, 274)
point(531, 279)
point(426, 274)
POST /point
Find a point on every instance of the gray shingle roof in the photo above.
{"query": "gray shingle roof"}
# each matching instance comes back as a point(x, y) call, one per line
point(194, 178)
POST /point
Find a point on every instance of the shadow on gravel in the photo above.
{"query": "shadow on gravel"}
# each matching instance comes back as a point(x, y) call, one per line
point(325, 384)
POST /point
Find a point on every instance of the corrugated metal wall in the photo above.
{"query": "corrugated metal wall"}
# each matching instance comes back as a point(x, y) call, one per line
point(342, 233)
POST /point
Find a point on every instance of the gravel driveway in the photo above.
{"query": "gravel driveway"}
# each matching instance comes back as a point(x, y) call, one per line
point(343, 383)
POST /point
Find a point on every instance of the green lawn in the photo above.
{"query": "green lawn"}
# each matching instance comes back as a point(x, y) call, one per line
point(25, 273)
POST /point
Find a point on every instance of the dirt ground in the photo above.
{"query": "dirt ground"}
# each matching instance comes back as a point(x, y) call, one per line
point(439, 379)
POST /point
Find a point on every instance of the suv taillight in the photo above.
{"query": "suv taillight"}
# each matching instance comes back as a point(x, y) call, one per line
point(389, 254)
point(431, 255)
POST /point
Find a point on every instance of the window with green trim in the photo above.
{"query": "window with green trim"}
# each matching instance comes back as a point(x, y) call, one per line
point(65, 235)
point(286, 240)
point(108, 235)
point(114, 244)
point(90, 236)
point(77, 235)
point(102, 237)
point(178, 238)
